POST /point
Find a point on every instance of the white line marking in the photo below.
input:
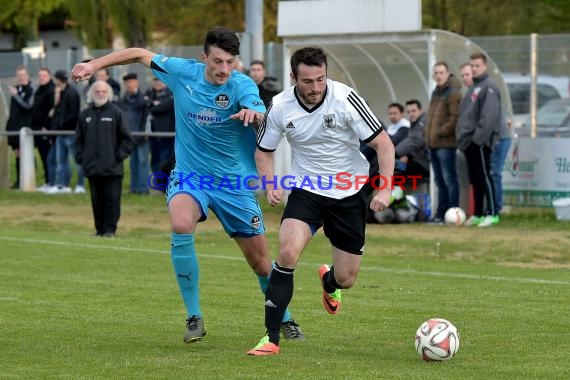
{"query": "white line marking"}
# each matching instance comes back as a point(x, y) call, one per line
point(240, 258)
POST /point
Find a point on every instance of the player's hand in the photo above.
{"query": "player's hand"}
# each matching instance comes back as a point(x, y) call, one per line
point(82, 71)
point(274, 196)
point(380, 201)
point(13, 90)
point(248, 116)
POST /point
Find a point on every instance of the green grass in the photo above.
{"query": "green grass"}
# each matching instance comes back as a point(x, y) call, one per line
point(76, 306)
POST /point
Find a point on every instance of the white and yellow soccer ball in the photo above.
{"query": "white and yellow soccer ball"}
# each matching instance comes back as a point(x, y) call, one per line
point(455, 216)
point(437, 339)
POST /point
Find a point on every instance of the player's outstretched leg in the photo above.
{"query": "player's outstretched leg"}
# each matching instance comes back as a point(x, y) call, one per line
point(187, 274)
point(331, 293)
point(289, 328)
point(277, 296)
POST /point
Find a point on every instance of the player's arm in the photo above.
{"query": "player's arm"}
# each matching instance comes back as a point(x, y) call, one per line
point(83, 71)
point(268, 136)
point(265, 167)
point(253, 109)
point(248, 116)
point(385, 151)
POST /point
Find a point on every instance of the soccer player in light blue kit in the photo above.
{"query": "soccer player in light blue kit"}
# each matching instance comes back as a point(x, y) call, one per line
point(214, 147)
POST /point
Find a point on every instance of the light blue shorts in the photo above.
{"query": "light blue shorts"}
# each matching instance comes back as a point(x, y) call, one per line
point(237, 210)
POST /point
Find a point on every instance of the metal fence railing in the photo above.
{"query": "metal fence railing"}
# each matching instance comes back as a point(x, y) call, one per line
point(27, 164)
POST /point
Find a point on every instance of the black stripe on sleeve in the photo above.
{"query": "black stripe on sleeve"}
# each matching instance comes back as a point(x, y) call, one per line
point(378, 131)
point(265, 150)
point(154, 66)
point(364, 112)
point(261, 131)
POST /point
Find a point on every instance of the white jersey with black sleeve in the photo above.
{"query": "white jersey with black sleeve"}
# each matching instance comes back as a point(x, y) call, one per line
point(324, 139)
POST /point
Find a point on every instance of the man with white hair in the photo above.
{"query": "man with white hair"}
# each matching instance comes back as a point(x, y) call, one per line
point(102, 142)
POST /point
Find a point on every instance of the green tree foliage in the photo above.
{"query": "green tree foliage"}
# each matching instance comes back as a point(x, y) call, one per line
point(492, 17)
point(185, 22)
point(96, 22)
point(91, 22)
point(133, 19)
point(20, 17)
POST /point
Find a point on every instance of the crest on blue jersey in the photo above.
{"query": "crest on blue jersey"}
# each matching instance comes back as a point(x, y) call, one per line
point(222, 101)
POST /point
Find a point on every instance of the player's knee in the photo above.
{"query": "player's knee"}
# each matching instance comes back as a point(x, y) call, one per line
point(345, 279)
point(261, 265)
point(288, 257)
point(182, 226)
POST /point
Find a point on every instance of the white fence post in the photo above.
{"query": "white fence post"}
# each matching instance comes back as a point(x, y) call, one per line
point(27, 166)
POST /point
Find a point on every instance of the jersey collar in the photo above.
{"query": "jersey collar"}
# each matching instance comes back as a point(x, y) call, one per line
point(303, 106)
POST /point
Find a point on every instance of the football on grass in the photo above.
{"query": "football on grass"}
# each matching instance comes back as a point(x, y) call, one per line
point(437, 339)
point(454, 216)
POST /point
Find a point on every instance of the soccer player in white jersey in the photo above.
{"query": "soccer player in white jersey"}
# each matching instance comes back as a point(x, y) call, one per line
point(213, 106)
point(323, 121)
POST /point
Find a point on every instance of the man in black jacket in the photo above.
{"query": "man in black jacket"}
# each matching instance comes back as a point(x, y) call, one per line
point(41, 121)
point(21, 102)
point(103, 141)
point(66, 111)
point(412, 152)
point(268, 86)
point(134, 106)
point(160, 103)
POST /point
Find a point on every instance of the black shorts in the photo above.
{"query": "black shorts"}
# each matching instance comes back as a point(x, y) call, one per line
point(343, 220)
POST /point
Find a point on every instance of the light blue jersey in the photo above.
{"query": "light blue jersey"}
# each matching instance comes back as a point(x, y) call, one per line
point(208, 142)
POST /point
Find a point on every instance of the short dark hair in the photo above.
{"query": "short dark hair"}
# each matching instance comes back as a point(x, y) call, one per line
point(43, 68)
point(130, 76)
point(397, 105)
point(257, 62)
point(414, 101)
point(479, 55)
point(223, 38)
point(464, 65)
point(310, 56)
point(442, 63)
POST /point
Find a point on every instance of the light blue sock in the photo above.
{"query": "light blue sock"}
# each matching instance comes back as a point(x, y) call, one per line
point(263, 281)
point(186, 270)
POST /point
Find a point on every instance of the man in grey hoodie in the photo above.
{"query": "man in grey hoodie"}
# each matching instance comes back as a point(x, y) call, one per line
point(477, 131)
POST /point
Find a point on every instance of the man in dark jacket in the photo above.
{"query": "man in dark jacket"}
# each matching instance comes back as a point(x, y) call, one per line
point(440, 138)
point(103, 141)
point(21, 102)
point(477, 131)
point(411, 152)
point(268, 86)
point(134, 106)
point(161, 117)
point(41, 121)
point(66, 111)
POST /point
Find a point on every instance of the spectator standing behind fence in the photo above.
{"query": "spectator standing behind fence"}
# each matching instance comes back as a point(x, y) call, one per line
point(104, 75)
point(160, 102)
point(41, 121)
point(400, 126)
point(500, 150)
point(268, 86)
point(21, 102)
point(103, 141)
point(440, 137)
point(134, 106)
point(66, 112)
point(477, 131)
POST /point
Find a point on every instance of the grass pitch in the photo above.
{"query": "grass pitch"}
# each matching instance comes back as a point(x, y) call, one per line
point(77, 306)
